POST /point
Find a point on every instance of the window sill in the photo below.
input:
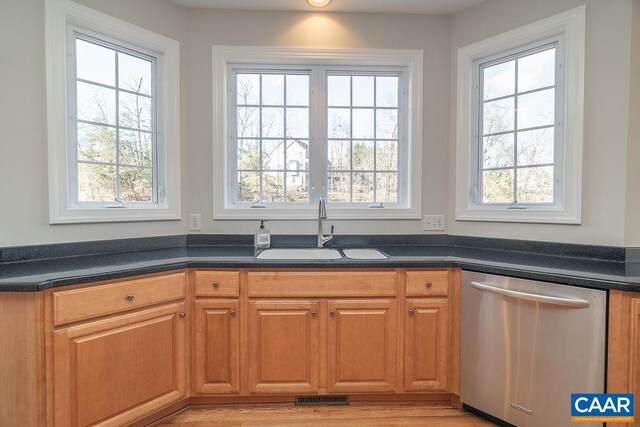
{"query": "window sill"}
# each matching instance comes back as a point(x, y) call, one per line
point(311, 213)
point(97, 215)
point(540, 216)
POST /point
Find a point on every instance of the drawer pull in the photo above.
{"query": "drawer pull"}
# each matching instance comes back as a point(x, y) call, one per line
point(216, 284)
point(314, 313)
point(332, 313)
point(182, 314)
point(412, 312)
point(130, 297)
point(232, 313)
point(429, 284)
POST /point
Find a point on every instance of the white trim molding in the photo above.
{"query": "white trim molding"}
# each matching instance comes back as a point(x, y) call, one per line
point(226, 57)
point(60, 15)
point(571, 26)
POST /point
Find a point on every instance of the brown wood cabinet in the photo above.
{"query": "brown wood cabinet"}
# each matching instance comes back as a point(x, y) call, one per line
point(114, 371)
point(216, 349)
point(361, 346)
point(283, 342)
point(426, 341)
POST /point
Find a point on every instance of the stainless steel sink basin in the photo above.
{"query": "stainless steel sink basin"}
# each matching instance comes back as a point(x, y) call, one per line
point(300, 254)
point(364, 254)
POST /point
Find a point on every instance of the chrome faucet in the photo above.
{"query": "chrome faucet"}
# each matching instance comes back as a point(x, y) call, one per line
point(322, 214)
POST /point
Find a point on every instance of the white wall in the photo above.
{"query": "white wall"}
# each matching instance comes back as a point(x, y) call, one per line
point(318, 30)
point(633, 152)
point(607, 69)
point(23, 144)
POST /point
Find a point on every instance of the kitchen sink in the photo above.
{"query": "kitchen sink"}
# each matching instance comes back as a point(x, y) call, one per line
point(364, 254)
point(300, 254)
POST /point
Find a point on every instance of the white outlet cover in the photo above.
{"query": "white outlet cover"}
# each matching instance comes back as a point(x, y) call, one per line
point(433, 223)
point(195, 222)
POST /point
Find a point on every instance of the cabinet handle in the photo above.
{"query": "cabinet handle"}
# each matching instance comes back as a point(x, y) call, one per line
point(412, 312)
point(232, 313)
point(429, 284)
point(130, 297)
point(332, 313)
point(314, 313)
point(182, 314)
point(216, 284)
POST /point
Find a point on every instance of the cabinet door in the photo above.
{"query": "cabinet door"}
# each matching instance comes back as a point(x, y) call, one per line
point(361, 346)
point(283, 340)
point(426, 345)
point(114, 371)
point(216, 350)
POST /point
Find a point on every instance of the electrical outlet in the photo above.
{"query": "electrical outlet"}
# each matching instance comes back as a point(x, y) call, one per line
point(433, 223)
point(195, 223)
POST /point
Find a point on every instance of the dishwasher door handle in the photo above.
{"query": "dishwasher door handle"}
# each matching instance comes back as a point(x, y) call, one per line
point(567, 302)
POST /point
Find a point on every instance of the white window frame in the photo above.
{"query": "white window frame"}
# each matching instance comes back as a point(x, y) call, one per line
point(568, 29)
point(227, 58)
point(62, 18)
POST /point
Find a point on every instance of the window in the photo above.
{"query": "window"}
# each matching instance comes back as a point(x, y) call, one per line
point(113, 144)
point(302, 124)
point(519, 129)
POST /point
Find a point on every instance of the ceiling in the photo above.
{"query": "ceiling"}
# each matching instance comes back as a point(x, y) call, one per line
point(436, 7)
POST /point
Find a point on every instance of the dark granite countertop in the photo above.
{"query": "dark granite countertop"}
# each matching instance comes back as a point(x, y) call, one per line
point(36, 268)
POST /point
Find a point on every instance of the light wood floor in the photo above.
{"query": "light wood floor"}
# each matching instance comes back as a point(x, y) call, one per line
point(417, 414)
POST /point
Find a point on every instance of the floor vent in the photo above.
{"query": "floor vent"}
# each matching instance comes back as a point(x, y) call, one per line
point(321, 400)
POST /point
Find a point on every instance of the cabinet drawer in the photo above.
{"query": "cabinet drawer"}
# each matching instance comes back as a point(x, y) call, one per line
point(321, 284)
point(427, 283)
point(217, 283)
point(94, 301)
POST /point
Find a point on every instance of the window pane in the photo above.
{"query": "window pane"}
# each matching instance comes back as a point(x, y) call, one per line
point(363, 187)
point(297, 89)
point(96, 183)
point(339, 155)
point(363, 91)
point(272, 89)
point(249, 154)
point(536, 109)
point(96, 143)
point(298, 122)
point(535, 147)
point(363, 123)
point(498, 116)
point(497, 186)
point(136, 148)
point(96, 103)
point(273, 187)
point(298, 154)
point(363, 155)
point(339, 186)
point(387, 91)
point(248, 186)
point(248, 89)
point(537, 70)
point(95, 63)
point(497, 151)
point(535, 185)
point(248, 122)
point(499, 80)
point(135, 111)
point(297, 187)
point(387, 187)
point(272, 154)
point(339, 123)
point(339, 90)
point(273, 122)
point(387, 124)
point(135, 184)
point(387, 155)
point(134, 73)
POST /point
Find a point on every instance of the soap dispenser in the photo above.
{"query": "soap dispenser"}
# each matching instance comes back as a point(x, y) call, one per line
point(262, 237)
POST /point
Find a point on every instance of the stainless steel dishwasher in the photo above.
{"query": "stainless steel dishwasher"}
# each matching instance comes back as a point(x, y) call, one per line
point(527, 345)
